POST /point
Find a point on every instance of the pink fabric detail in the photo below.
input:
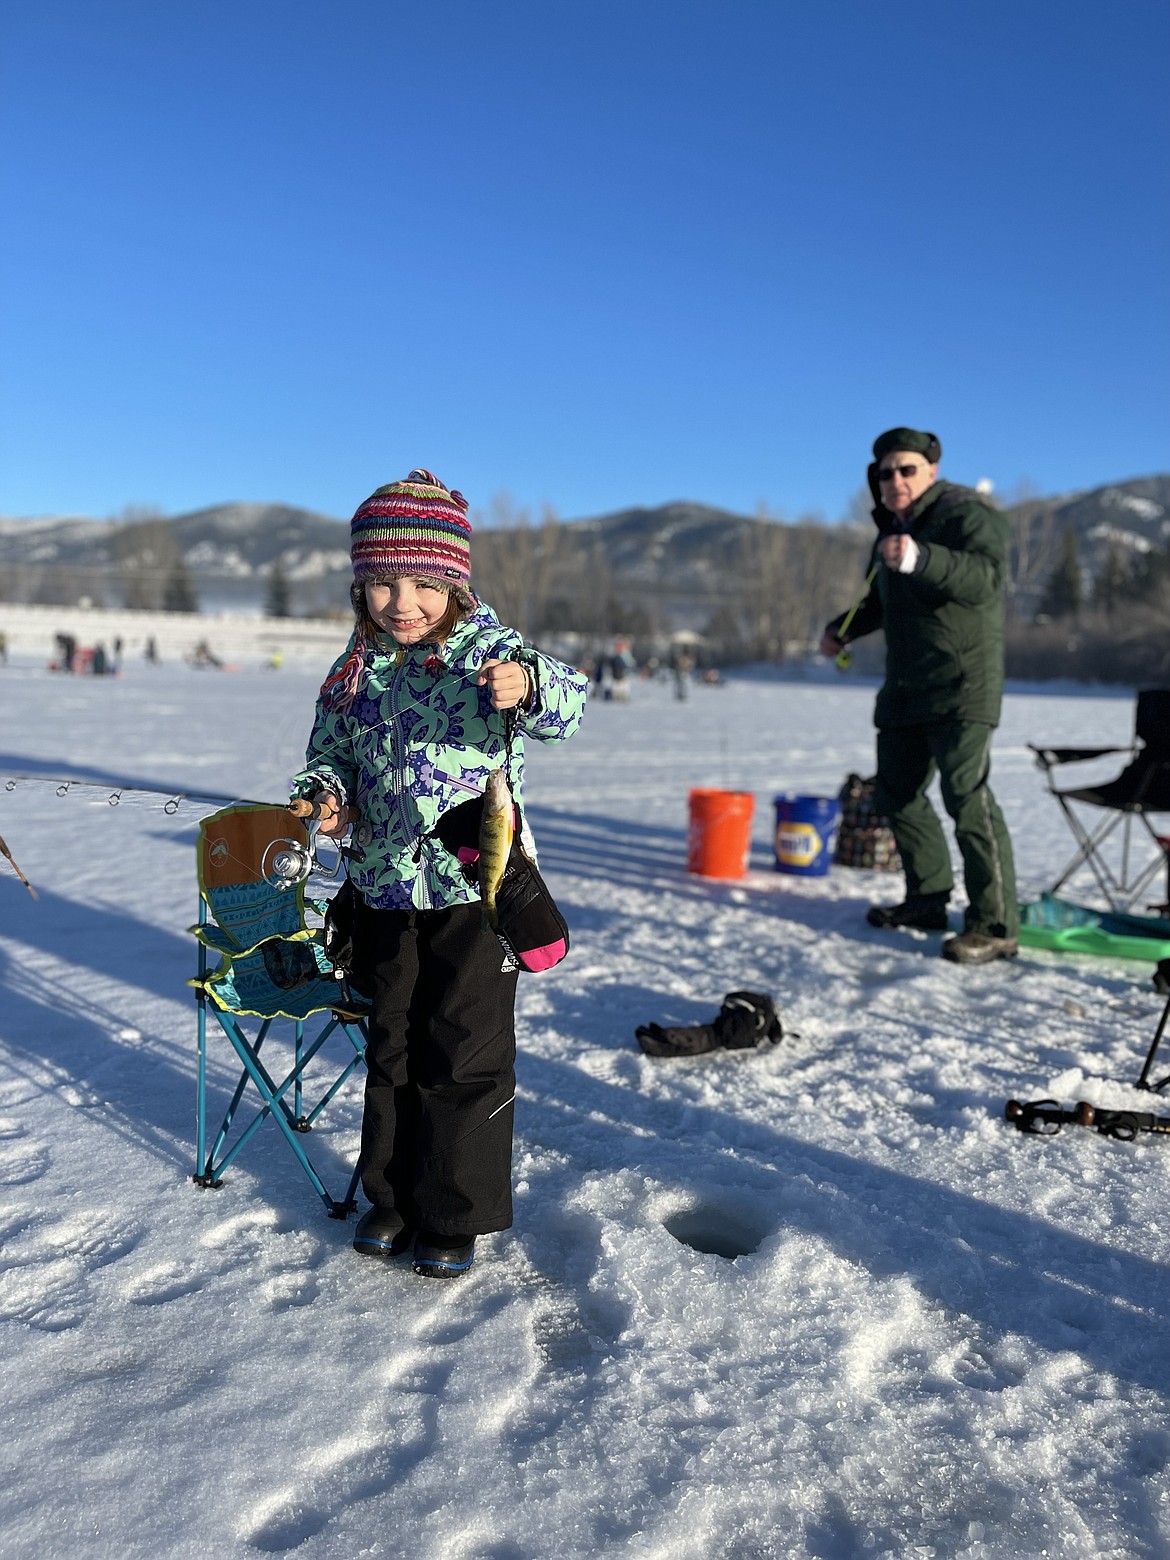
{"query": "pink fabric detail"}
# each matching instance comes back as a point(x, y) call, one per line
point(543, 958)
point(467, 855)
point(339, 691)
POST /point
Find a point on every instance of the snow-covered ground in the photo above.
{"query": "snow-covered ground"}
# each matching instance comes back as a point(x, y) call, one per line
point(949, 1340)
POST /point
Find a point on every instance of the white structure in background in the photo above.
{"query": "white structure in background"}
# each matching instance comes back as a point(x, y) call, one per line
point(234, 637)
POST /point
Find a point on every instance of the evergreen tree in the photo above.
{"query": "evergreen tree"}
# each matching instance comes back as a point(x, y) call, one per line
point(1149, 572)
point(179, 591)
point(278, 603)
point(1064, 594)
point(1109, 586)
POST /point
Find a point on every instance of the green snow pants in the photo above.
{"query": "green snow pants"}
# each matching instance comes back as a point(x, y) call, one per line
point(960, 750)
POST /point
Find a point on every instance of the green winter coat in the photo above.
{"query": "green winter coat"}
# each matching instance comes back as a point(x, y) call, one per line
point(944, 622)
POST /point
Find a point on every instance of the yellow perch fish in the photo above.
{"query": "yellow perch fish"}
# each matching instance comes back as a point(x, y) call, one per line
point(495, 840)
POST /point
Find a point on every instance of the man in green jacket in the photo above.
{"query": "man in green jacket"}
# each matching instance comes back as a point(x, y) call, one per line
point(938, 569)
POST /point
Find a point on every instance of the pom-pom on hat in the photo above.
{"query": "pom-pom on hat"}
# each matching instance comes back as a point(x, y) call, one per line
point(417, 527)
point(924, 444)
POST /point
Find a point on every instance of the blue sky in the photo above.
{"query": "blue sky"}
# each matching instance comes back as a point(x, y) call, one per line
point(591, 252)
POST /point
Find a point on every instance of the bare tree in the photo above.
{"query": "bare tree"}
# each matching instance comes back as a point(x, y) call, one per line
point(146, 552)
point(518, 566)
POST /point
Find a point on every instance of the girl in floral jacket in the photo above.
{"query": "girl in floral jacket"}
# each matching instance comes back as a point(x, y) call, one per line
point(409, 724)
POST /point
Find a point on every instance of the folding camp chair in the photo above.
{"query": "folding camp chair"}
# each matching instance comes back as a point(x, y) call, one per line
point(272, 969)
point(1107, 847)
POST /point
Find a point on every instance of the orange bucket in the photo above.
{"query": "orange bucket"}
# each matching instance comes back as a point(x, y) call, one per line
point(719, 840)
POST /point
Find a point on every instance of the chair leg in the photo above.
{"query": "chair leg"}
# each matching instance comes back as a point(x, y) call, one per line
point(342, 1210)
point(274, 1106)
point(1143, 1082)
point(1121, 893)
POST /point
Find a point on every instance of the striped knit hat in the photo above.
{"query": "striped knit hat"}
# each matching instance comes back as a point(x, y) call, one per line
point(415, 527)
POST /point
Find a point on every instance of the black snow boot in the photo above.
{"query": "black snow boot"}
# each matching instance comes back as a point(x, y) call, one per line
point(381, 1232)
point(443, 1256)
point(923, 912)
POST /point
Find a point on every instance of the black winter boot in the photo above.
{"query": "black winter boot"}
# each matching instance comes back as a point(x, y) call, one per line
point(381, 1232)
point(443, 1256)
point(923, 912)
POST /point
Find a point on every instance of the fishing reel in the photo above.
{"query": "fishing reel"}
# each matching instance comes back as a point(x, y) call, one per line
point(287, 863)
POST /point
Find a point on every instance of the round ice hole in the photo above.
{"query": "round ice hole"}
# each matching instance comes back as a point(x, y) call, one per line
point(713, 1231)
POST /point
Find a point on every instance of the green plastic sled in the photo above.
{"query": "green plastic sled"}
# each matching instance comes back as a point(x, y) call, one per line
point(1062, 927)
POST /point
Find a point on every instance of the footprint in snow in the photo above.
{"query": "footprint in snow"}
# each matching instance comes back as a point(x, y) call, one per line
point(161, 1283)
point(52, 1296)
point(22, 1162)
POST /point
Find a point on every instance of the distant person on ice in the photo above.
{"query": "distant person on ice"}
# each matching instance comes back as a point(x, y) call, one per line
point(941, 560)
point(409, 724)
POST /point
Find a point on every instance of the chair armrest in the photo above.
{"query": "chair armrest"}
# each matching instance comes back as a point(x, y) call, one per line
point(1049, 758)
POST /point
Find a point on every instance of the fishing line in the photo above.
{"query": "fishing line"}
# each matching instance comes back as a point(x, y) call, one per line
point(175, 797)
point(417, 704)
point(298, 862)
point(843, 660)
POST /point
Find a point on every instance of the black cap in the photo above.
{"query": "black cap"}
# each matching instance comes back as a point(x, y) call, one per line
point(925, 444)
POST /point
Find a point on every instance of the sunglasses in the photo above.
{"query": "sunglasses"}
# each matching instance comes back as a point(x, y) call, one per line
point(888, 473)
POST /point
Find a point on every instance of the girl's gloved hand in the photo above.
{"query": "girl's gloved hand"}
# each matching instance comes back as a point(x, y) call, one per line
point(507, 681)
point(335, 819)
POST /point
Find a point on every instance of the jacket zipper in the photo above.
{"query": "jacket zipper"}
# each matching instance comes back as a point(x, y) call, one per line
point(398, 684)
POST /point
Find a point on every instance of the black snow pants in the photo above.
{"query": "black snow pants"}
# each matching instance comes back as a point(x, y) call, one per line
point(440, 1085)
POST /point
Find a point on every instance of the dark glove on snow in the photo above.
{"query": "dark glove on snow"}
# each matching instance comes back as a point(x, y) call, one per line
point(689, 1041)
point(746, 1019)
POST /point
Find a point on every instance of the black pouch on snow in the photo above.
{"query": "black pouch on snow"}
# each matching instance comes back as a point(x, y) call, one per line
point(528, 920)
point(746, 1020)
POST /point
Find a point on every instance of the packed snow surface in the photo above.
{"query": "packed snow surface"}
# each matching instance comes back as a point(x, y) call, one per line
point(941, 1338)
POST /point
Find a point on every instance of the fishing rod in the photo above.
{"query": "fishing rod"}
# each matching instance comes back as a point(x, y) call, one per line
point(5, 851)
point(175, 797)
point(843, 660)
point(1045, 1118)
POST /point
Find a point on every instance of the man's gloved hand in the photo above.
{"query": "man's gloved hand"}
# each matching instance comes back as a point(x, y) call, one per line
point(900, 553)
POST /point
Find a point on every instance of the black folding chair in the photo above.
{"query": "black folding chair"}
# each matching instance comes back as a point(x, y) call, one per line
point(1126, 869)
point(1161, 984)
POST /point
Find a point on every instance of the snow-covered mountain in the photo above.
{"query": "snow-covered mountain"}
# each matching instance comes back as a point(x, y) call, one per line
point(681, 548)
point(1132, 517)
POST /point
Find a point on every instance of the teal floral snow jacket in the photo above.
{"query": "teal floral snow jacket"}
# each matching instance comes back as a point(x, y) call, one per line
point(420, 738)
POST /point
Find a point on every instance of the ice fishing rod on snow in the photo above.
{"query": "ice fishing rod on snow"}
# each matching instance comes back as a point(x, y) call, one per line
point(843, 660)
point(1045, 1118)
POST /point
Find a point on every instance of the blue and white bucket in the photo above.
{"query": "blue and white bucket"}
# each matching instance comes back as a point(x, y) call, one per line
point(806, 834)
